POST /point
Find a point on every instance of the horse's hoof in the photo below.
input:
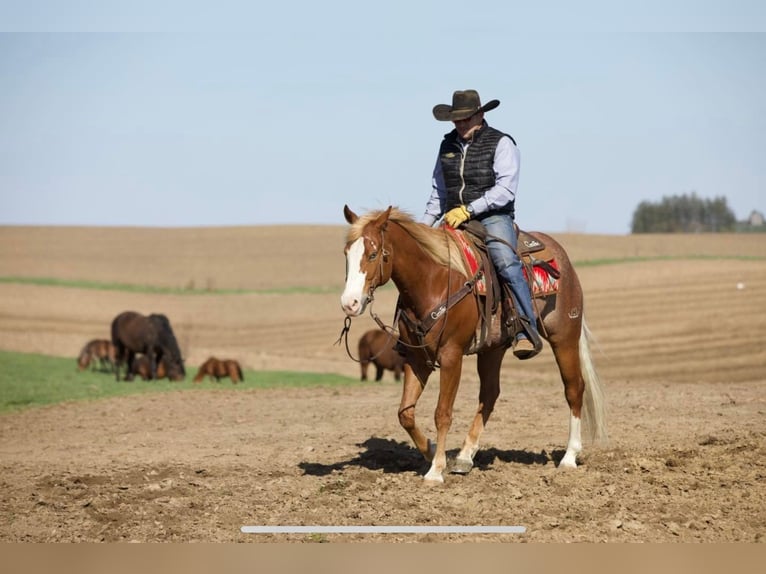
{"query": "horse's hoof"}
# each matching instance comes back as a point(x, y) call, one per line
point(435, 480)
point(461, 466)
point(568, 462)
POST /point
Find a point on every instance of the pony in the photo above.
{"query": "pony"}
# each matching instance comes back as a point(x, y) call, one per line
point(438, 326)
point(378, 347)
point(153, 336)
point(219, 368)
point(101, 349)
point(142, 367)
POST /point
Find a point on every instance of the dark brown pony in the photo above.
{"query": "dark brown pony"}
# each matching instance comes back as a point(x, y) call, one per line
point(152, 336)
point(142, 367)
point(426, 266)
point(218, 369)
point(377, 347)
point(100, 350)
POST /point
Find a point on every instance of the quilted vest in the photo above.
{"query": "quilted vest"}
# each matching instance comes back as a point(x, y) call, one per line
point(467, 178)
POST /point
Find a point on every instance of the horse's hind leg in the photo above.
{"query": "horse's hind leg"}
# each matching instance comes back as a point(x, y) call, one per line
point(489, 376)
point(568, 359)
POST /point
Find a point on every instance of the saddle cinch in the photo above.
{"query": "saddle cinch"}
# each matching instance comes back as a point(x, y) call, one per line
point(540, 270)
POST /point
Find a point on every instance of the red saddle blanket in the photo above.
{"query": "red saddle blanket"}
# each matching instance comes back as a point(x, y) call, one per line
point(543, 283)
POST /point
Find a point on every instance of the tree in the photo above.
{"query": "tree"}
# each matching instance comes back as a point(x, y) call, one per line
point(683, 214)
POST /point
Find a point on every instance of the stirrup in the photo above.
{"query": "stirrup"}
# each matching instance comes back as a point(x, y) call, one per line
point(533, 336)
point(524, 349)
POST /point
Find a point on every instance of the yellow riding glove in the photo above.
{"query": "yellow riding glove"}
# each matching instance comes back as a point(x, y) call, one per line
point(454, 217)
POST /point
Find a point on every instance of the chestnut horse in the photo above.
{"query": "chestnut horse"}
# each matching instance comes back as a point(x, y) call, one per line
point(218, 369)
point(378, 347)
point(97, 349)
point(427, 268)
point(153, 336)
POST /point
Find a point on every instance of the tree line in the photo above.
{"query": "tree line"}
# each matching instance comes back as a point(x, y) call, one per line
point(686, 213)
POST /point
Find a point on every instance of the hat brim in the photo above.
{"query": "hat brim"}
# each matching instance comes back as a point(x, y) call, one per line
point(445, 113)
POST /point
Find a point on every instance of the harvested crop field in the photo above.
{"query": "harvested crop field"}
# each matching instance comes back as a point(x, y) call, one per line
point(681, 353)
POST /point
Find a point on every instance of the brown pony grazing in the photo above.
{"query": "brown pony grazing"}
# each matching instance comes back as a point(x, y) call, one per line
point(142, 367)
point(152, 336)
point(101, 349)
point(438, 327)
point(218, 369)
point(377, 347)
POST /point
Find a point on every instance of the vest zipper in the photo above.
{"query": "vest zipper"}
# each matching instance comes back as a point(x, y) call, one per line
point(463, 153)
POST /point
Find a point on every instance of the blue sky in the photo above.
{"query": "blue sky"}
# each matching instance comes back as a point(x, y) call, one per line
point(181, 115)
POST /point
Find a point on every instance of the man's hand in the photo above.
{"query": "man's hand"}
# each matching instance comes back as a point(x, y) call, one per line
point(454, 217)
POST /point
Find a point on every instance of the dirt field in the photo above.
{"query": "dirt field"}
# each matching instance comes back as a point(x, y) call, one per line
point(681, 352)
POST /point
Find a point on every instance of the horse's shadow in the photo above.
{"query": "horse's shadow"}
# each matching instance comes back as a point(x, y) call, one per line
point(392, 456)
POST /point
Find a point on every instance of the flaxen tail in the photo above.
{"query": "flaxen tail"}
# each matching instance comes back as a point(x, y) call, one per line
point(594, 409)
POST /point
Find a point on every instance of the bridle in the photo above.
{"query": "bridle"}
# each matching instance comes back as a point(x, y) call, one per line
point(385, 263)
point(386, 260)
point(383, 275)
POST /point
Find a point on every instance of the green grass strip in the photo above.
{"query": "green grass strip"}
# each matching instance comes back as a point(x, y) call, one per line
point(32, 380)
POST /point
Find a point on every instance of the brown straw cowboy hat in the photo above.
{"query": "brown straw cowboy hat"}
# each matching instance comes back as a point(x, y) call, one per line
point(465, 103)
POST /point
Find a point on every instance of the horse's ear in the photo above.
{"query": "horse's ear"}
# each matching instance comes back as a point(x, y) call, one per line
point(382, 219)
point(350, 216)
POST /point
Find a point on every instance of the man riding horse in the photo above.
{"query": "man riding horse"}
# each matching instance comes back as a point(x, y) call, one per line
point(476, 177)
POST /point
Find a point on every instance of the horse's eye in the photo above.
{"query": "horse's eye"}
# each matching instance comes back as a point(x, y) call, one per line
point(373, 256)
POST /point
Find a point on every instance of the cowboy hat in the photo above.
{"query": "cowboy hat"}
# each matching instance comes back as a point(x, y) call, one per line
point(465, 103)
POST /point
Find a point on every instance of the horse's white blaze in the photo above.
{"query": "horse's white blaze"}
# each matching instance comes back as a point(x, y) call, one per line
point(574, 446)
point(353, 299)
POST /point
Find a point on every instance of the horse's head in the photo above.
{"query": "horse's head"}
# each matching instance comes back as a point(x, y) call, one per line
point(83, 360)
point(368, 259)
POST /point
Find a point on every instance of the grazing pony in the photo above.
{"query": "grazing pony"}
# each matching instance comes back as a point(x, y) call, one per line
point(438, 325)
point(152, 336)
point(378, 347)
point(142, 367)
point(100, 349)
point(218, 369)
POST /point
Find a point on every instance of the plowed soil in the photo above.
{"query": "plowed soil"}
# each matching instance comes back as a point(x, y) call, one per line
point(681, 353)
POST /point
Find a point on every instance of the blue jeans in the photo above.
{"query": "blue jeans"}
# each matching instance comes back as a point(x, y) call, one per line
point(508, 264)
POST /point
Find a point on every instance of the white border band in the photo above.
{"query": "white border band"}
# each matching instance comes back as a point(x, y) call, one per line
point(383, 529)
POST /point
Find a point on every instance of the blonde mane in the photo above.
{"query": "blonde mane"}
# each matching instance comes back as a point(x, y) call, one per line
point(437, 243)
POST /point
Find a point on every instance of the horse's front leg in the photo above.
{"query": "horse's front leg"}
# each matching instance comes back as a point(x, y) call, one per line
point(488, 364)
point(119, 357)
point(449, 380)
point(130, 356)
point(411, 391)
point(153, 360)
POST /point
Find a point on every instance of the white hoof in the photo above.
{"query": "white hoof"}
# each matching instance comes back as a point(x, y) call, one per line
point(433, 479)
point(435, 474)
point(569, 461)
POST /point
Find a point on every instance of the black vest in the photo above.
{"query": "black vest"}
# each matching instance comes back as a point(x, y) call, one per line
point(477, 174)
